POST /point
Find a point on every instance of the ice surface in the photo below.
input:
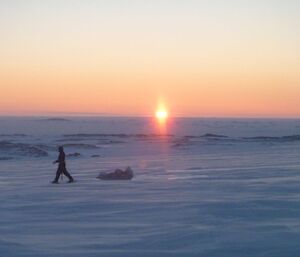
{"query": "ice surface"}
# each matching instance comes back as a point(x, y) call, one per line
point(211, 188)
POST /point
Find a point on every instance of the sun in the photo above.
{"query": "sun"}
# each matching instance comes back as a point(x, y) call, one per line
point(161, 115)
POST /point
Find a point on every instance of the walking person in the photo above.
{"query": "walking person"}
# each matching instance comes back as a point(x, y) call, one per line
point(61, 167)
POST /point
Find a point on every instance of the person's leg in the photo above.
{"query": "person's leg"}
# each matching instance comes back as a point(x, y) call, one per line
point(58, 172)
point(67, 174)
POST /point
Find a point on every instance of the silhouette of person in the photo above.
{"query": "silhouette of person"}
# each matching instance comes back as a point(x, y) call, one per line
point(61, 167)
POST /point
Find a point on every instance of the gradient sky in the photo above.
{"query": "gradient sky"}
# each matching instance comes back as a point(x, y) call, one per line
point(117, 57)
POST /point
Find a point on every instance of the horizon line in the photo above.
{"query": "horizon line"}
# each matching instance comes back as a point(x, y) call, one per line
point(104, 115)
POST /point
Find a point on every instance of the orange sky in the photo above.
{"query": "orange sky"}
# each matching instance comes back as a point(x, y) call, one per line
point(199, 58)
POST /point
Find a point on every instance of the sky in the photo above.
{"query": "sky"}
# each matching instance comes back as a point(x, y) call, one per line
point(204, 58)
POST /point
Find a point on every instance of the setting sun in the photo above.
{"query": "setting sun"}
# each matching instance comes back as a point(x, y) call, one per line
point(161, 115)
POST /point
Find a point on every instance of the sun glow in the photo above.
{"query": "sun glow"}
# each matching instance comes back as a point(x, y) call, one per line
point(162, 115)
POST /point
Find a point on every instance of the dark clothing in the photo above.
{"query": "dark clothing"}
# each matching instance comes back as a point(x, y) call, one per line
point(61, 158)
point(62, 167)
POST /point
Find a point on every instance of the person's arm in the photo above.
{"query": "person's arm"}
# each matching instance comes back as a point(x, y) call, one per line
point(58, 159)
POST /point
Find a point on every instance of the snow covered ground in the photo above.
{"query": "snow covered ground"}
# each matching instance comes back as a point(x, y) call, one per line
point(210, 187)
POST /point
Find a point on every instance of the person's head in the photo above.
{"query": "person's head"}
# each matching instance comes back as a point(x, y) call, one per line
point(60, 149)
